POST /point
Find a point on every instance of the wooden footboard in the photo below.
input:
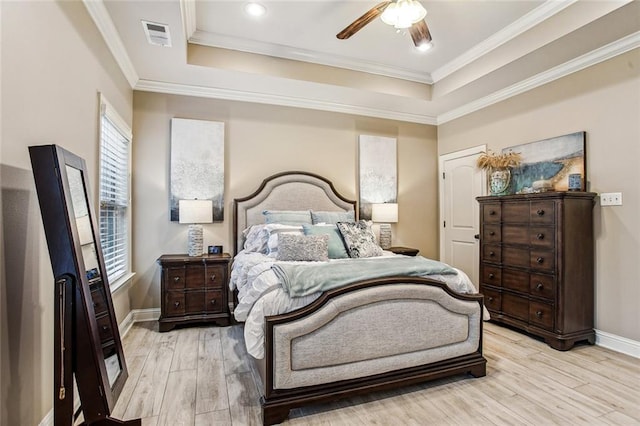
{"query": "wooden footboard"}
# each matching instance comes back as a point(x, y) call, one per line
point(369, 336)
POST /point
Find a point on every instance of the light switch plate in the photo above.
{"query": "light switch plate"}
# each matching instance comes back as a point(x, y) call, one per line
point(611, 199)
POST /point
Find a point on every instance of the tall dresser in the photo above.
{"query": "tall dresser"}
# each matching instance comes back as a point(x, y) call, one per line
point(536, 264)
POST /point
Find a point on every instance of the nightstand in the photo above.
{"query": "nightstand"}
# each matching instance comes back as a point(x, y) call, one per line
point(194, 289)
point(407, 251)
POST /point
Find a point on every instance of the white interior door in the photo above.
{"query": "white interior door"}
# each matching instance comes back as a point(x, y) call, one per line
point(460, 183)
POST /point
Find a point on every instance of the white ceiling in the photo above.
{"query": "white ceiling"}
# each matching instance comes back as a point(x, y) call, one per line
point(484, 51)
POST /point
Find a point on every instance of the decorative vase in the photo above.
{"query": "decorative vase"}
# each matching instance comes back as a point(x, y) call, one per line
point(499, 181)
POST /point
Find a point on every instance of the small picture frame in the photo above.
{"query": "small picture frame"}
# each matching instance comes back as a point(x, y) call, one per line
point(214, 249)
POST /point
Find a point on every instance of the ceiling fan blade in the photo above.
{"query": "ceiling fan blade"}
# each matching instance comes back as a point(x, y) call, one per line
point(357, 25)
point(420, 33)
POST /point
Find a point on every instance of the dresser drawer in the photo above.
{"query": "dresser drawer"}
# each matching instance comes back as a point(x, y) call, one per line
point(515, 212)
point(542, 213)
point(216, 276)
point(515, 280)
point(194, 276)
point(174, 278)
point(492, 253)
point(515, 234)
point(540, 237)
point(491, 234)
point(542, 286)
point(214, 301)
point(174, 303)
point(515, 306)
point(104, 328)
point(542, 260)
point(541, 315)
point(491, 213)
point(99, 302)
point(492, 299)
point(514, 256)
point(491, 275)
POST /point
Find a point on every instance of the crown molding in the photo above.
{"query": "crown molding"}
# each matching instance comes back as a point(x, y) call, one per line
point(98, 12)
point(297, 54)
point(282, 100)
point(594, 57)
point(525, 23)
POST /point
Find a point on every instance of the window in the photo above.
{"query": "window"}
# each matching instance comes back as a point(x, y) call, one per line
point(115, 207)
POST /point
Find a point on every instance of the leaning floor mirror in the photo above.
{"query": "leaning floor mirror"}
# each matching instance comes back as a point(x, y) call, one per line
point(87, 344)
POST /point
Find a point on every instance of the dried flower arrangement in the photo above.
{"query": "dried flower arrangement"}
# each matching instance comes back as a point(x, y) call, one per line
point(490, 160)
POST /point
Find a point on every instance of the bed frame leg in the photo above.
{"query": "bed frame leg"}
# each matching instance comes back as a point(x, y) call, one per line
point(479, 370)
point(274, 415)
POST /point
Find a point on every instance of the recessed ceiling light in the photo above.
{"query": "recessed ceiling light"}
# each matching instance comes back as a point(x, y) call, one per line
point(423, 47)
point(255, 9)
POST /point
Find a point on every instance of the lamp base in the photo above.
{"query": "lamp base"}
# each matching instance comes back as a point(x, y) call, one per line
point(385, 235)
point(195, 240)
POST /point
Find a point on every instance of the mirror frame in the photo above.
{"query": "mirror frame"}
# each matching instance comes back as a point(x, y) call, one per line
point(77, 343)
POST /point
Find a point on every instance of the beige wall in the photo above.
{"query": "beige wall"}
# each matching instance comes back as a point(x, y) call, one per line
point(261, 140)
point(604, 101)
point(54, 63)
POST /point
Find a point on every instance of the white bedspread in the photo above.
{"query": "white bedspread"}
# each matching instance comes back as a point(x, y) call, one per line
point(260, 294)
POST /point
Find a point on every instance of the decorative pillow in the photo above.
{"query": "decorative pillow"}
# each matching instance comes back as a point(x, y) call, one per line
point(273, 232)
point(337, 250)
point(303, 247)
point(287, 217)
point(255, 239)
point(332, 217)
point(359, 239)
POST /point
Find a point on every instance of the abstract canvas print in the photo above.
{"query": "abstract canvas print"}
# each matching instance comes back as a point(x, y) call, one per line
point(197, 164)
point(551, 159)
point(378, 172)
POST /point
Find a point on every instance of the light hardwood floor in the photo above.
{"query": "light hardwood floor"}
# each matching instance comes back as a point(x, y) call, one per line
point(201, 376)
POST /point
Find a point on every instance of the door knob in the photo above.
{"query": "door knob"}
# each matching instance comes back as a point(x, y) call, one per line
point(477, 236)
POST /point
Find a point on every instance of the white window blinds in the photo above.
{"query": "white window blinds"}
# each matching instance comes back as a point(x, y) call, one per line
point(114, 195)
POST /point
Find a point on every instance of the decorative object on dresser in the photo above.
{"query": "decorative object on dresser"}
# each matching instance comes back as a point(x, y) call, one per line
point(195, 212)
point(499, 168)
point(407, 251)
point(536, 264)
point(194, 289)
point(386, 213)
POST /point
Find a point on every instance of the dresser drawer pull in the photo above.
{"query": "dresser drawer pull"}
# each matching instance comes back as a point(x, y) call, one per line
point(540, 260)
point(213, 277)
point(176, 304)
point(540, 212)
point(105, 328)
point(491, 254)
point(540, 236)
point(491, 276)
point(539, 287)
point(492, 213)
point(176, 279)
point(492, 233)
point(213, 301)
point(539, 314)
point(490, 299)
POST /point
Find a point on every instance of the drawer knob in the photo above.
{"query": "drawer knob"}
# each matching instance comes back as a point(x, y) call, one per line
point(540, 260)
point(540, 236)
point(213, 277)
point(490, 299)
point(539, 287)
point(176, 279)
point(540, 212)
point(491, 254)
point(176, 304)
point(105, 328)
point(491, 276)
point(213, 301)
point(492, 213)
point(539, 314)
point(492, 233)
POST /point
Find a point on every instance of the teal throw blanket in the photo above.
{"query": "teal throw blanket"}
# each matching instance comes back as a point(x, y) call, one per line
point(301, 279)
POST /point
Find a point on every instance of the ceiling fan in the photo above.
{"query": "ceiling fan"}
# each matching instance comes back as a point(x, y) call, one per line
point(399, 13)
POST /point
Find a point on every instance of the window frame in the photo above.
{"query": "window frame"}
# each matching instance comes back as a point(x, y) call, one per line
point(108, 111)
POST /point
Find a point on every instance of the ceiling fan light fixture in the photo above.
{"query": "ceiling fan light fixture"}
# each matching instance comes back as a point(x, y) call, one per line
point(403, 13)
point(423, 47)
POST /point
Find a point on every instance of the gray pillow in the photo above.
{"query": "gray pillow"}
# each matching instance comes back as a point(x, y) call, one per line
point(287, 217)
point(337, 250)
point(359, 239)
point(303, 247)
point(332, 217)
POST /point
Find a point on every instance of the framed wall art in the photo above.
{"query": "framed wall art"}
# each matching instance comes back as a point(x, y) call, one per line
point(378, 176)
point(197, 164)
point(554, 160)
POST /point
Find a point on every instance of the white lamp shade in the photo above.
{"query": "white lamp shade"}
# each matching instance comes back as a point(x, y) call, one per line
point(385, 213)
point(196, 211)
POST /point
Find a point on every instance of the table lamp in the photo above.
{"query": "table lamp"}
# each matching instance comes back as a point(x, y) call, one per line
point(195, 212)
point(385, 214)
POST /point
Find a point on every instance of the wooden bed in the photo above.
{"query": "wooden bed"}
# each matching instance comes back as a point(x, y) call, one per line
point(420, 330)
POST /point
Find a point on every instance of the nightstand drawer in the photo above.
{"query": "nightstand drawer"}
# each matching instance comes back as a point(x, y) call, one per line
point(214, 301)
point(175, 278)
point(174, 304)
point(194, 276)
point(215, 276)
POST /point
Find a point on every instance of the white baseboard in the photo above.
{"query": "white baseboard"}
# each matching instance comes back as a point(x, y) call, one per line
point(618, 343)
point(138, 315)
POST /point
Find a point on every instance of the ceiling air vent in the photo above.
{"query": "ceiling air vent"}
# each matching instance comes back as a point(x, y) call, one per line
point(157, 34)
